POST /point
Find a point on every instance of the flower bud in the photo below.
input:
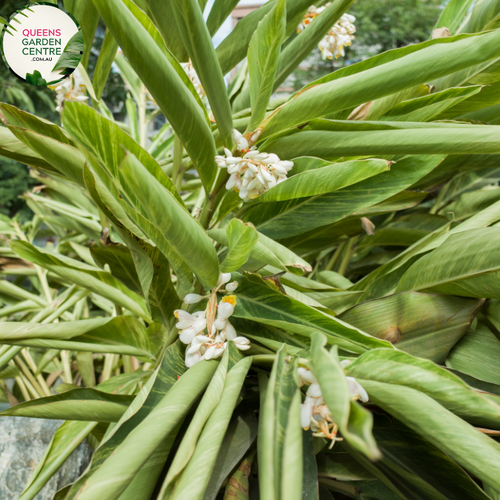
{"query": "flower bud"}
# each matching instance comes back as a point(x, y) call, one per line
point(231, 287)
point(193, 298)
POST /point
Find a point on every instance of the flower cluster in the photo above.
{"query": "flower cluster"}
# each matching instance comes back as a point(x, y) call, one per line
point(254, 172)
point(215, 320)
point(341, 35)
point(314, 413)
point(193, 76)
point(70, 89)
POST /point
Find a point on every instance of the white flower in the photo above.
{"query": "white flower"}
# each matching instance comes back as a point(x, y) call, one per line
point(223, 279)
point(345, 363)
point(241, 142)
point(341, 35)
point(229, 331)
point(306, 376)
point(357, 390)
point(254, 172)
point(193, 298)
point(193, 76)
point(306, 413)
point(242, 343)
point(231, 287)
point(71, 88)
point(224, 310)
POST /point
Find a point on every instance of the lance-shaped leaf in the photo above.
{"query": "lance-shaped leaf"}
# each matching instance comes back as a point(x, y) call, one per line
point(239, 437)
point(71, 55)
point(476, 355)
point(453, 14)
point(184, 234)
point(294, 217)
point(269, 252)
point(205, 454)
point(292, 472)
point(134, 451)
point(88, 18)
point(423, 325)
point(469, 447)
point(302, 45)
point(241, 238)
point(206, 407)
point(466, 264)
point(399, 368)
point(66, 159)
point(104, 62)
point(105, 140)
point(165, 85)
point(66, 439)
point(391, 72)
point(77, 404)
point(121, 335)
point(420, 141)
point(219, 12)
point(157, 386)
point(99, 282)
point(326, 179)
point(262, 303)
point(234, 48)
point(263, 55)
point(198, 42)
point(354, 422)
point(11, 147)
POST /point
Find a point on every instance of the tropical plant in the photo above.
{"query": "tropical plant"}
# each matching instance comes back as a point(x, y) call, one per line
point(283, 299)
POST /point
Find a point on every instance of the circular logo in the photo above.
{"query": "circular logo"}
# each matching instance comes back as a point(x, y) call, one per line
point(42, 44)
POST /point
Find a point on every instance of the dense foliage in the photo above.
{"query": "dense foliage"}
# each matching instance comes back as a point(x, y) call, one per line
point(281, 299)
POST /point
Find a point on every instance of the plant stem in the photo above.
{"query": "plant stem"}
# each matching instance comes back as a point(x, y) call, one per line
point(24, 369)
point(344, 263)
point(33, 368)
point(67, 367)
point(142, 117)
point(22, 387)
point(335, 256)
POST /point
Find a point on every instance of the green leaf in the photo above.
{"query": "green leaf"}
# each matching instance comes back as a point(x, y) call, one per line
point(105, 141)
point(263, 55)
point(77, 404)
point(470, 448)
point(157, 386)
point(239, 437)
point(399, 368)
point(476, 353)
point(13, 148)
point(198, 43)
point(219, 12)
point(163, 16)
point(207, 405)
point(465, 264)
point(242, 238)
point(332, 177)
point(291, 477)
point(104, 62)
point(135, 449)
point(423, 325)
point(413, 463)
point(165, 85)
point(62, 157)
point(121, 335)
point(468, 139)
point(386, 74)
point(66, 439)
point(205, 454)
point(452, 14)
point(88, 18)
point(99, 282)
point(267, 250)
point(354, 422)
point(71, 56)
point(184, 234)
point(293, 217)
point(35, 78)
point(256, 301)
